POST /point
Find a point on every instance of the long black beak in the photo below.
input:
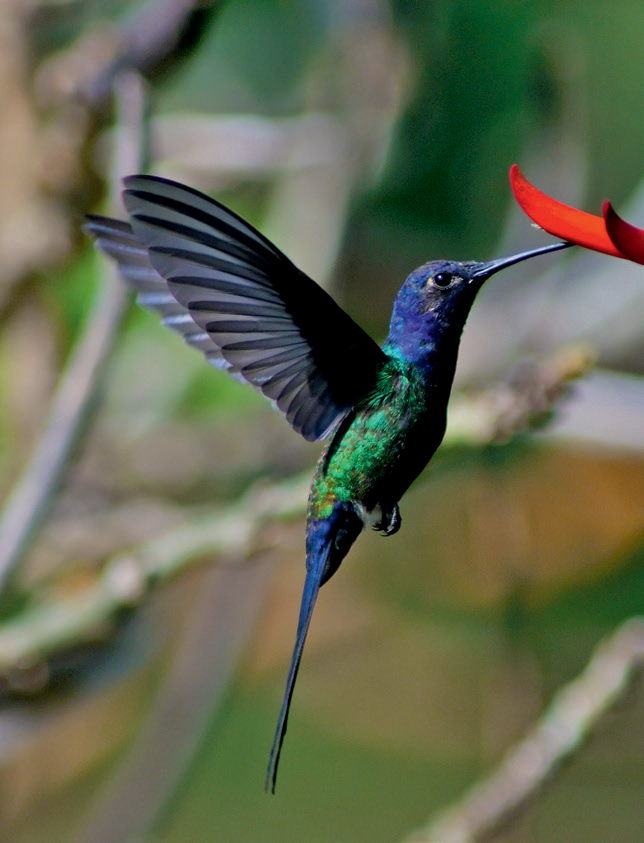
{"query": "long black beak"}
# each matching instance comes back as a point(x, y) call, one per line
point(489, 268)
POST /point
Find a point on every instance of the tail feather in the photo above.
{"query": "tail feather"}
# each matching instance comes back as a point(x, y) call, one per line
point(309, 596)
point(328, 541)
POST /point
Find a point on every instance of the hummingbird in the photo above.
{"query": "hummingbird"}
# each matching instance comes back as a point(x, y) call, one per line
point(236, 297)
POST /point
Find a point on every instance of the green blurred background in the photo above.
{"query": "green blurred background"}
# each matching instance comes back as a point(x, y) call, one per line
point(366, 138)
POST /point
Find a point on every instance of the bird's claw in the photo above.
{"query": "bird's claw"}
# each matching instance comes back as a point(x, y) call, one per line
point(390, 521)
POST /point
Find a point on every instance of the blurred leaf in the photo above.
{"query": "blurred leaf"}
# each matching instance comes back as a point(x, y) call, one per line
point(70, 289)
point(257, 51)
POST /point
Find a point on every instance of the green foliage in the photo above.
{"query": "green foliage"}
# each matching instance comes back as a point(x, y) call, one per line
point(253, 58)
point(67, 291)
point(491, 80)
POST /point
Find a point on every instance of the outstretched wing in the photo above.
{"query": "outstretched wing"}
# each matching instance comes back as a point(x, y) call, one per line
point(235, 296)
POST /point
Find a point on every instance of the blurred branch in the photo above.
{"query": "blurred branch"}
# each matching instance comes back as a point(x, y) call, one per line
point(57, 623)
point(70, 408)
point(525, 401)
point(574, 713)
point(221, 619)
point(143, 42)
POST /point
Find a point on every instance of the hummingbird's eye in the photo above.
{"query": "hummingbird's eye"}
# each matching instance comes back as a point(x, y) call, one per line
point(443, 279)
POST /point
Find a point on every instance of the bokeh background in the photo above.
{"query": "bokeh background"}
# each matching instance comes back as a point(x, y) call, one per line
point(365, 137)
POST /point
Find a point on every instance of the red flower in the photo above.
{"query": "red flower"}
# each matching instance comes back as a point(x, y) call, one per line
point(628, 239)
point(611, 235)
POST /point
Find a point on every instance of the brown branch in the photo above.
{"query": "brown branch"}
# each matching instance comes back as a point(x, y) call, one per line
point(574, 713)
point(32, 495)
point(61, 621)
point(525, 401)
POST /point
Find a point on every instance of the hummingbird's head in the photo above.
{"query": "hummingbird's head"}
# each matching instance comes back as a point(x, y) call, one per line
point(436, 298)
point(444, 285)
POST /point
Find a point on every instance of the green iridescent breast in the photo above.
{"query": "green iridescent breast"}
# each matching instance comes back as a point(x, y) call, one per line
point(383, 447)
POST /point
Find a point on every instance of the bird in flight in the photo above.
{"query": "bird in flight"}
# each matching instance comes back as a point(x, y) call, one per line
point(233, 295)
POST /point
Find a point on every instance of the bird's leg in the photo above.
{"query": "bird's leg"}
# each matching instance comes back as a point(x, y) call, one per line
point(390, 519)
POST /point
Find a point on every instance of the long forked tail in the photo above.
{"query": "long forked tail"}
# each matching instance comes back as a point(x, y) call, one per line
point(327, 543)
point(311, 589)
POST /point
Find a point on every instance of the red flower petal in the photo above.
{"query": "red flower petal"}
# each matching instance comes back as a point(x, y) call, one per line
point(628, 239)
point(568, 223)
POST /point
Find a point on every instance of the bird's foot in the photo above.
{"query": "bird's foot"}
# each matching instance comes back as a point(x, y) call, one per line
point(390, 520)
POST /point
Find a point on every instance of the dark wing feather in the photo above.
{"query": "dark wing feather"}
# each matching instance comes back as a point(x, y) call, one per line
point(117, 240)
point(241, 301)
